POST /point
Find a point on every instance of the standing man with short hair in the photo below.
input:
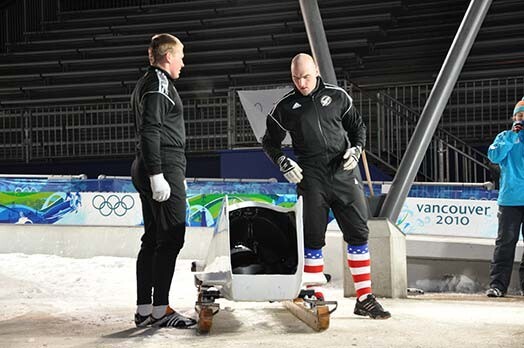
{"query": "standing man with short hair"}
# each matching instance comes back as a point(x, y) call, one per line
point(158, 173)
point(328, 136)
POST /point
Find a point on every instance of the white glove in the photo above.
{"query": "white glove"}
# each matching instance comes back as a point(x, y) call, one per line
point(160, 187)
point(351, 158)
point(291, 170)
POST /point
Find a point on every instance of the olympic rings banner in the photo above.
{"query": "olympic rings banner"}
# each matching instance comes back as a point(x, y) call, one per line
point(114, 208)
point(102, 208)
point(67, 208)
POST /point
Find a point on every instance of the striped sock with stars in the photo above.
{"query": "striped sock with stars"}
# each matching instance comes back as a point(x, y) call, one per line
point(314, 271)
point(360, 267)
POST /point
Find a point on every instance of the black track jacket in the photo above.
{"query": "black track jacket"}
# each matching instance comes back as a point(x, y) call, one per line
point(158, 119)
point(322, 125)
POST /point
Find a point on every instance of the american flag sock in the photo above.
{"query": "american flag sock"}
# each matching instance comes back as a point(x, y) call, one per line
point(314, 263)
point(360, 268)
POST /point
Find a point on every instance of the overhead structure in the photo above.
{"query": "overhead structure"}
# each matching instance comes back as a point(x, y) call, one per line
point(317, 39)
point(434, 107)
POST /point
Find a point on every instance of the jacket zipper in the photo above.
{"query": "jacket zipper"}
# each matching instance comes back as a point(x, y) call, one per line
point(320, 128)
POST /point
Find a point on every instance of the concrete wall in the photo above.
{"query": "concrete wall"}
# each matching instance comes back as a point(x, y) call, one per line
point(387, 248)
point(454, 264)
point(433, 262)
point(89, 241)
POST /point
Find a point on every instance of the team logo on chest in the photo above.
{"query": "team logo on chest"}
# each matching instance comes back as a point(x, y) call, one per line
point(296, 106)
point(325, 100)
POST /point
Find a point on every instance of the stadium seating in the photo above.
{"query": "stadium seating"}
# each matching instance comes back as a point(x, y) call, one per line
point(93, 51)
point(96, 55)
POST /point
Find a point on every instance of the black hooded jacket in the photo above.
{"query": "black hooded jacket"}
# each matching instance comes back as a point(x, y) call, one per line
point(322, 125)
point(158, 119)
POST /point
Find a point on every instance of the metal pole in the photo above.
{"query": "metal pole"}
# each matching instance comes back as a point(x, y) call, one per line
point(317, 39)
point(231, 118)
point(368, 175)
point(440, 154)
point(434, 107)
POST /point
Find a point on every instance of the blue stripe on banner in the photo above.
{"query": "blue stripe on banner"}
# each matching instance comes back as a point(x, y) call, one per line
point(279, 190)
point(313, 253)
point(358, 249)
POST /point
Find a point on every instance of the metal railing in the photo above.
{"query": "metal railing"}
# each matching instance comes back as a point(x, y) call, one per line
point(100, 130)
point(477, 109)
point(390, 125)
point(207, 126)
point(217, 123)
point(448, 158)
point(44, 176)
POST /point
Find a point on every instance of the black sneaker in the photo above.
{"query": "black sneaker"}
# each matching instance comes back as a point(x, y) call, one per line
point(371, 308)
point(173, 319)
point(142, 320)
point(494, 292)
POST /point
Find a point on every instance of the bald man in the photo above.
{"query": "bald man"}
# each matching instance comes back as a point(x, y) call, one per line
point(328, 136)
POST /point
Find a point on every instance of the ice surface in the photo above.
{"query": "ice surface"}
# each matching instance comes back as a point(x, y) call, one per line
point(52, 301)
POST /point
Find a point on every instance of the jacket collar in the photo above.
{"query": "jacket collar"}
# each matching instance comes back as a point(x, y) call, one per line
point(320, 86)
point(154, 67)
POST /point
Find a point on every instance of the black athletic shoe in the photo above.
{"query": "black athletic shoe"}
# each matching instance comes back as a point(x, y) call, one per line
point(142, 320)
point(371, 308)
point(494, 292)
point(173, 319)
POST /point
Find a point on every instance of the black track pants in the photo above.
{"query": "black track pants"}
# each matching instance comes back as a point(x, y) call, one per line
point(510, 227)
point(342, 191)
point(164, 232)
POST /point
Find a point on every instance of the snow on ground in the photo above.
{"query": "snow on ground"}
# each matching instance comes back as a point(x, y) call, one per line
point(52, 301)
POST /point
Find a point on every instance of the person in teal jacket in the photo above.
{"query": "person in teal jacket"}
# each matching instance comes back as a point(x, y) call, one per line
point(507, 151)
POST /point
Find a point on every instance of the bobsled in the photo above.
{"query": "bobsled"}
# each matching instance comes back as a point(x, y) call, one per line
point(256, 254)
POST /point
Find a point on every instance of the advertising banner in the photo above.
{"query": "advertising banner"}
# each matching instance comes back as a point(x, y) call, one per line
point(443, 210)
point(452, 217)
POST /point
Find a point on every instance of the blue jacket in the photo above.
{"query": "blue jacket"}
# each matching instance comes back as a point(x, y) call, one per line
point(508, 152)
